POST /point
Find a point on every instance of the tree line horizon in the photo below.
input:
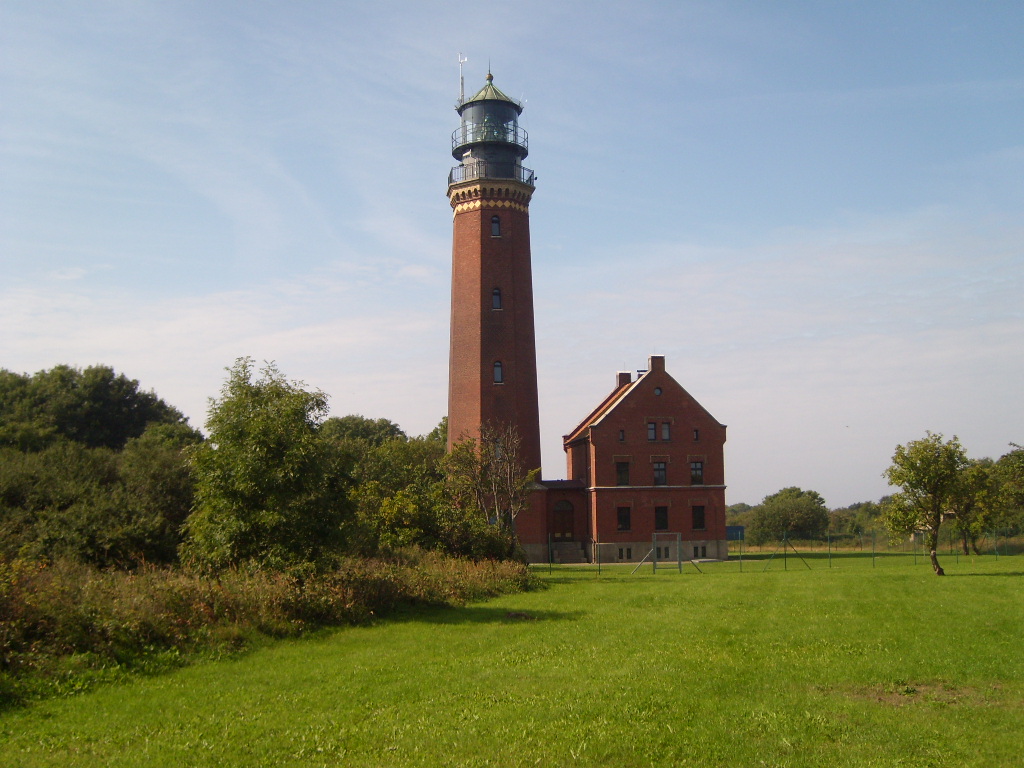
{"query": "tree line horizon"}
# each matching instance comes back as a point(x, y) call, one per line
point(97, 469)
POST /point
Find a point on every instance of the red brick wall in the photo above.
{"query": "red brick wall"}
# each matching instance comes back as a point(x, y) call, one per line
point(481, 335)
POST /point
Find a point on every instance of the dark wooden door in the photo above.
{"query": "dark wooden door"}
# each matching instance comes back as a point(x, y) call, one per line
point(561, 522)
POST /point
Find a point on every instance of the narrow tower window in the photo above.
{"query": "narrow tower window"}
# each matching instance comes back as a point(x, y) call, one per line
point(496, 298)
point(495, 226)
point(499, 376)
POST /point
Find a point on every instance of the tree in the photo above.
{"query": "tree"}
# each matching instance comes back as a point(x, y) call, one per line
point(738, 514)
point(484, 479)
point(92, 406)
point(396, 491)
point(1008, 476)
point(355, 427)
point(928, 472)
point(270, 488)
point(97, 505)
point(972, 503)
point(855, 519)
point(791, 512)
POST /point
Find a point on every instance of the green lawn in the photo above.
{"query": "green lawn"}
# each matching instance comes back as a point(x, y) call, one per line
point(854, 666)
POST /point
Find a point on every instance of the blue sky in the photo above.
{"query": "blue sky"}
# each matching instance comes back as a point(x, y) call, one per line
point(814, 210)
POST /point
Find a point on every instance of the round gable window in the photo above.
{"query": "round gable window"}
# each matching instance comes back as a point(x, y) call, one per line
point(657, 390)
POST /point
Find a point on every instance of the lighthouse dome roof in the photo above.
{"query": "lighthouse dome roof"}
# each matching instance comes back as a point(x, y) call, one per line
point(491, 93)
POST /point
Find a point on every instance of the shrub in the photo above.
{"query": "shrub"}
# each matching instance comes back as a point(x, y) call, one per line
point(70, 615)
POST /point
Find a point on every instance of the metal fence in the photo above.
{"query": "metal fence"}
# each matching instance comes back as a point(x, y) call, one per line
point(664, 554)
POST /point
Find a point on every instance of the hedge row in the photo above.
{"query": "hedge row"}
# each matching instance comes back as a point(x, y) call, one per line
point(64, 624)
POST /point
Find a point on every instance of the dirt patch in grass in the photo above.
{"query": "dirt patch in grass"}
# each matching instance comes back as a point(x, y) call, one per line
point(519, 616)
point(900, 693)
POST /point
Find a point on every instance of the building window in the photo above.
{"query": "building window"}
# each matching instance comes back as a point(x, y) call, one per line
point(657, 390)
point(697, 472)
point(495, 226)
point(622, 515)
point(652, 431)
point(703, 550)
point(666, 430)
point(499, 374)
point(620, 553)
point(696, 435)
point(660, 473)
point(696, 553)
point(698, 523)
point(661, 518)
point(622, 473)
point(622, 435)
point(496, 298)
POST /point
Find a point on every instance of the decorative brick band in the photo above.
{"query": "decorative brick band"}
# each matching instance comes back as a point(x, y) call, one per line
point(475, 205)
point(474, 195)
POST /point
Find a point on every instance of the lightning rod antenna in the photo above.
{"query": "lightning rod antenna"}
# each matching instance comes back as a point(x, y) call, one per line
point(462, 81)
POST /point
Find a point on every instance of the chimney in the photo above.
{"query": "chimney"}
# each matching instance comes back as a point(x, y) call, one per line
point(622, 378)
point(656, 363)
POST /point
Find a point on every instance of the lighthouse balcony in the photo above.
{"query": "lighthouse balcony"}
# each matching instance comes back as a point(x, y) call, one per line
point(506, 170)
point(488, 133)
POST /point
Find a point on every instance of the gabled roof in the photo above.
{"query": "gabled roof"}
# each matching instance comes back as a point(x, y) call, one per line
point(606, 405)
point(621, 392)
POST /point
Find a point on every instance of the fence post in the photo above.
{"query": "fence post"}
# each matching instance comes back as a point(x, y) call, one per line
point(828, 537)
point(551, 555)
point(872, 549)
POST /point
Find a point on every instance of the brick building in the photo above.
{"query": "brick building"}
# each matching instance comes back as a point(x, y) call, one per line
point(645, 468)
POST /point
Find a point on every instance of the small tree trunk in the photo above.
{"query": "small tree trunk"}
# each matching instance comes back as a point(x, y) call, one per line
point(932, 541)
point(964, 537)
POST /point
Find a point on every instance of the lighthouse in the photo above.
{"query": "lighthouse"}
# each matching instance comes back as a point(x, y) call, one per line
point(492, 369)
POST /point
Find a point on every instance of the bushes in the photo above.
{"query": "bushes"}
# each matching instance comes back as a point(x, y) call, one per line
point(69, 615)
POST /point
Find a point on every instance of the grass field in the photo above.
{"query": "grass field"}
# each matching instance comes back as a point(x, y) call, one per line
point(849, 666)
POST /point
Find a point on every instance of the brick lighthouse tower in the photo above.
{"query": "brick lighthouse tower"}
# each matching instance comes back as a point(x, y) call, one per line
point(492, 375)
